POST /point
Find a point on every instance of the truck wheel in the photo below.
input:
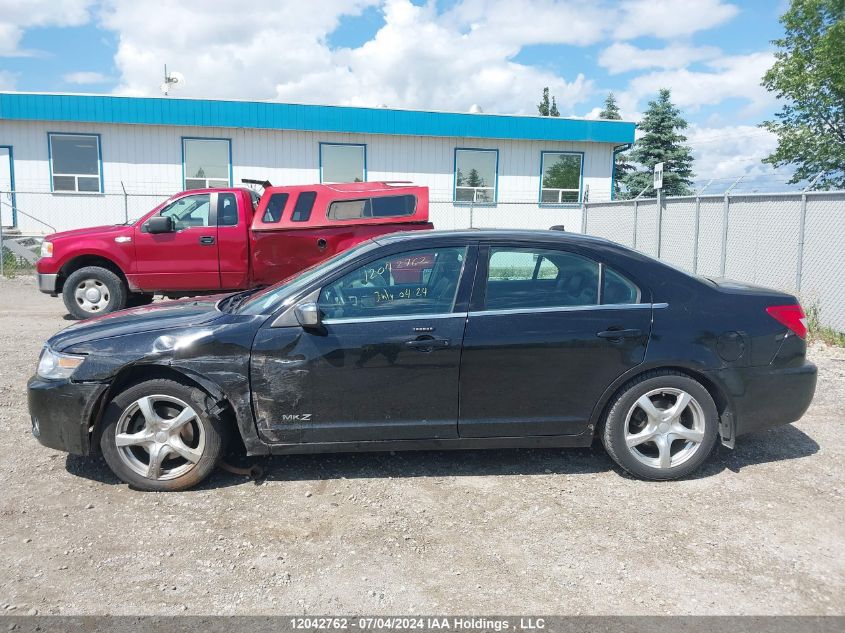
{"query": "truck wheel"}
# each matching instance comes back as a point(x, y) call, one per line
point(93, 290)
point(158, 436)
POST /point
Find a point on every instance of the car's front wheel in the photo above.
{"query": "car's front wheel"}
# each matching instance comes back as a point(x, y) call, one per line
point(662, 425)
point(158, 436)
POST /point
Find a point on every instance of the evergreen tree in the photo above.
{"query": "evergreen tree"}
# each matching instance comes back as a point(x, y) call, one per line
point(611, 109)
point(474, 179)
point(543, 107)
point(662, 142)
point(809, 73)
point(553, 111)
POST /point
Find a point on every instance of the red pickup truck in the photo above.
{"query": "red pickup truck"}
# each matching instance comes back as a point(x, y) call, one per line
point(213, 240)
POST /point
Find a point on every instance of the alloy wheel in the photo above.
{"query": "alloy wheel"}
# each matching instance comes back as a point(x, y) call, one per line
point(160, 437)
point(664, 428)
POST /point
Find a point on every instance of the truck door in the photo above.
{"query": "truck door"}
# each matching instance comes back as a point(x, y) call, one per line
point(187, 258)
point(234, 215)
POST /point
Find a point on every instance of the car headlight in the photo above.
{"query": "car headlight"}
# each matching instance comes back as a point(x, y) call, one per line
point(54, 365)
point(46, 249)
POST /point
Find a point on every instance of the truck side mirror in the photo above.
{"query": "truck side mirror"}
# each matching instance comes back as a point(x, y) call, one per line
point(160, 224)
point(308, 315)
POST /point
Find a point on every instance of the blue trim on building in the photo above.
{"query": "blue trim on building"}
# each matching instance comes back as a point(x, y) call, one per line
point(580, 180)
point(320, 159)
point(317, 118)
point(12, 183)
point(99, 161)
point(455, 175)
point(206, 138)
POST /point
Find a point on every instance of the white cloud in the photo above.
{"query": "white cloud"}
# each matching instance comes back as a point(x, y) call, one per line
point(621, 57)
point(7, 80)
point(419, 58)
point(667, 19)
point(85, 78)
point(728, 77)
point(724, 153)
point(18, 15)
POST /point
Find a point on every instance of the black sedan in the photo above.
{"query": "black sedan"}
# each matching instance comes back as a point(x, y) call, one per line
point(433, 340)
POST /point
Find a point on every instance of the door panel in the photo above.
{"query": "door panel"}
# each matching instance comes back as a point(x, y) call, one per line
point(383, 365)
point(186, 259)
point(233, 240)
point(540, 373)
point(537, 353)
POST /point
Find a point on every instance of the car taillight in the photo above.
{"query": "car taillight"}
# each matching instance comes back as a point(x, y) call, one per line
point(792, 316)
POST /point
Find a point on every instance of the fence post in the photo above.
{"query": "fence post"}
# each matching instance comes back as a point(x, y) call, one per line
point(2, 257)
point(125, 203)
point(802, 223)
point(725, 209)
point(471, 211)
point(636, 218)
point(697, 230)
point(583, 217)
point(659, 221)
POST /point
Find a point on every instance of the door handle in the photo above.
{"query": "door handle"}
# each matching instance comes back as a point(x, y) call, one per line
point(619, 334)
point(206, 239)
point(428, 343)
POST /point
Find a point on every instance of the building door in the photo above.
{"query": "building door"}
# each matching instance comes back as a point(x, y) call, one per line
point(7, 184)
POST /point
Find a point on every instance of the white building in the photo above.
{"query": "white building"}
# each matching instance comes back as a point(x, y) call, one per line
point(69, 161)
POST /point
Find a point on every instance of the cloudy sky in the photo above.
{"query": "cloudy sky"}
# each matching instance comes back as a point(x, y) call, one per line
point(435, 54)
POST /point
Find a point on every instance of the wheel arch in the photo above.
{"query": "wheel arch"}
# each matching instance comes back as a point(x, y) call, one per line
point(718, 392)
point(218, 403)
point(88, 259)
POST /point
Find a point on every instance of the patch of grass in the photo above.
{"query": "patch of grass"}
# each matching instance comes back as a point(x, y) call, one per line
point(823, 333)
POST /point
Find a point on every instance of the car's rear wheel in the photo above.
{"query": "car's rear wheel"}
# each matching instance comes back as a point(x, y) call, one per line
point(157, 435)
point(93, 290)
point(663, 425)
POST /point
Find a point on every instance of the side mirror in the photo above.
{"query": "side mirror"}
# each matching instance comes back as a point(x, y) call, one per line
point(160, 224)
point(308, 315)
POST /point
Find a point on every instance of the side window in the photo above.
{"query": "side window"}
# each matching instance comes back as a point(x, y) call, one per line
point(348, 209)
point(275, 207)
point(304, 204)
point(188, 212)
point(393, 206)
point(525, 278)
point(618, 289)
point(418, 282)
point(227, 209)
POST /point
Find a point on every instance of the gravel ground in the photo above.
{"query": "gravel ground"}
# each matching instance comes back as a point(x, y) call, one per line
point(758, 531)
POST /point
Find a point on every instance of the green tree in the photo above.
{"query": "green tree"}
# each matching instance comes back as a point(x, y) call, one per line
point(611, 108)
point(662, 142)
point(474, 179)
point(547, 105)
point(809, 75)
point(564, 173)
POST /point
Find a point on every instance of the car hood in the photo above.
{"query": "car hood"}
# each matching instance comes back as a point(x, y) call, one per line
point(169, 315)
point(109, 229)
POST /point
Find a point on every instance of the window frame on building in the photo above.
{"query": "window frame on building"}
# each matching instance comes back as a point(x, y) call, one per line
point(186, 178)
point(494, 188)
point(579, 190)
point(322, 163)
point(75, 176)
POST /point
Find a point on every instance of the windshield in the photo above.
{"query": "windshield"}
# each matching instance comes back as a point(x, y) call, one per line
point(270, 298)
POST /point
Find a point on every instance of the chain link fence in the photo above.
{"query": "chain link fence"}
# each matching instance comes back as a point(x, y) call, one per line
point(790, 241)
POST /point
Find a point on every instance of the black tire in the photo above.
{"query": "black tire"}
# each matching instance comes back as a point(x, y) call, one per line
point(613, 430)
point(111, 288)
point(138, 299)
point(211, 428)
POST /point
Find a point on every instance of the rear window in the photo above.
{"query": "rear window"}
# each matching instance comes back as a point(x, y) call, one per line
point(275, 206)
point(380, 207)
point(304, 204)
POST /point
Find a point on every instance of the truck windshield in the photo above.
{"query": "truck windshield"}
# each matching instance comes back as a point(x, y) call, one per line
point(268, 299)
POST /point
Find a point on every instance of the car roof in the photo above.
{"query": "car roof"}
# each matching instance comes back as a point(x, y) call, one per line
point(538, 235)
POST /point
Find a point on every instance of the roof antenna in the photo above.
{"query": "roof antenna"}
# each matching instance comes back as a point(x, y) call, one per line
point(171, 81)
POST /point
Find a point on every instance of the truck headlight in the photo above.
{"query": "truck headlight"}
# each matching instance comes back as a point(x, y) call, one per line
point(46, 249)
point(54, 365)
